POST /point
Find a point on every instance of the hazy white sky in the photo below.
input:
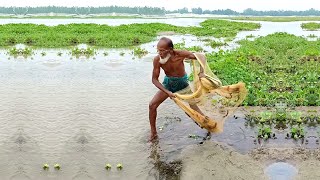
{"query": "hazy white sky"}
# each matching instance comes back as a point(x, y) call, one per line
point(238, 5)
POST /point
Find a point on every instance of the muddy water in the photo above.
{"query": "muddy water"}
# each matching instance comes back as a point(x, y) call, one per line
point(84, 113)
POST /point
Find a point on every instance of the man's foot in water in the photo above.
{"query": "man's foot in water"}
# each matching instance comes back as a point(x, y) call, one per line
point(153, 137)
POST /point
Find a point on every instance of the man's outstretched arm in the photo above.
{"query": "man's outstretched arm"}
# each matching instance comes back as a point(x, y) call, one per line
point(187, 55)
point(191, 56)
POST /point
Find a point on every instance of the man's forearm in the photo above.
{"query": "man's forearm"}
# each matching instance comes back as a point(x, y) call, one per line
point(195, 59)
point(201, 69)
point(160, 86)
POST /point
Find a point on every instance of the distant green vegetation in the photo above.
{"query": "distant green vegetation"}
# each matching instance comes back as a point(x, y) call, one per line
point(109, 36)
point(310, 26)
point(277, 18)
point(247, 18)
point(82, 10)
point(150, 11)
point(73, 17)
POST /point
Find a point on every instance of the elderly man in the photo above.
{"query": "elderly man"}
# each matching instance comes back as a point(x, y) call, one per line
point(176, 79)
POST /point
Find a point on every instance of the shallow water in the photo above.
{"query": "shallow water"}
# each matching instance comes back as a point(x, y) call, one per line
point(110, 22)
point(272, 27)
point(84, 113)
point(281, 171)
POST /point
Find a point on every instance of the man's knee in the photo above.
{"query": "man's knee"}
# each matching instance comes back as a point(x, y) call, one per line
point(153, 106)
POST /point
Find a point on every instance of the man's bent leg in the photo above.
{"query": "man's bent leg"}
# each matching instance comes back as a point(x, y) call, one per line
point(196, 108)
point(158, 98)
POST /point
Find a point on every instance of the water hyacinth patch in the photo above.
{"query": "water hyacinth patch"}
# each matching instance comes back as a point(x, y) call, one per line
point(110, 36)
point(82, 50)
point(20, 50)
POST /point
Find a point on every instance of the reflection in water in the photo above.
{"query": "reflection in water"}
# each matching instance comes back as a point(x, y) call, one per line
point(52, 63)
point(20, 157)
point(281, 171)
point(162, 169)
point(83, 157)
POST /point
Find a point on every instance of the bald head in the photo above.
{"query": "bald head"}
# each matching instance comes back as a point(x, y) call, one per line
point(166, 43)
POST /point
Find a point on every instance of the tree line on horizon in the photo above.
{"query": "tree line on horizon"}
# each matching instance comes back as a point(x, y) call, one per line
point(151, 11)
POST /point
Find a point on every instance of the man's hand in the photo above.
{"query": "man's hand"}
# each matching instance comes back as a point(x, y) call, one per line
point(171, 95)
point(201, 75)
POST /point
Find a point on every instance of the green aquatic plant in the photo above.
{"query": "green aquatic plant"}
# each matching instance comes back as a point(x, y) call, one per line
point(195, 49)
point(297, 132)
point(265, 132)
point(10, 41)
point(108, 166)
point(97, 35)
point(45, 166)
point(215, 44)
point(82, 51)
point(295, 116)
point(311, 26)
point(205, 39)
point(105, 53)
point(57, 166)
point(276, 65)
point(265, 116)
point(250, 36)
point(228, 39)
point(20, 51)
point(138, 51)
point(119, 166)
point(180, 45)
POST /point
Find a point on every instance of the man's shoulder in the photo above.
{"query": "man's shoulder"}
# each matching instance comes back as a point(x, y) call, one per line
point(183, 52)
point(179, 51)
point(156, 58)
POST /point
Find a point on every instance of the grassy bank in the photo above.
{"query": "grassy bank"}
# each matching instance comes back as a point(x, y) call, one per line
point(109, 36)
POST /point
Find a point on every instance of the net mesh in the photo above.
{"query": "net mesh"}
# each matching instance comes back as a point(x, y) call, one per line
point(215, 101)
